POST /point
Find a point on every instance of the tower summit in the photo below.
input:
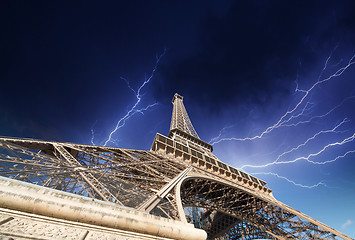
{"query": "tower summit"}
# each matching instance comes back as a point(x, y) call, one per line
point(181, 128)
point(180, 120)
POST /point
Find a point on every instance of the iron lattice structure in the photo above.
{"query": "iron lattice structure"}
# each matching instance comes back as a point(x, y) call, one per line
point(179, 178)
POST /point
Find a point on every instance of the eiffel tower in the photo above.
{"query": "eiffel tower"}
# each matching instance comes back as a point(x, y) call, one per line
point(179, 179)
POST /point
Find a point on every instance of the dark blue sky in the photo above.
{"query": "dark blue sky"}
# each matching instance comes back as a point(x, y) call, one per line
point(237, 65)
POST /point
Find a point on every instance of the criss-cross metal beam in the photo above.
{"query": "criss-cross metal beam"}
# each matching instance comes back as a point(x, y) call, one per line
point(264, 214)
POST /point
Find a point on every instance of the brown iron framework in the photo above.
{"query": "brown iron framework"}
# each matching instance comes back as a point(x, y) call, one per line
point(178, 173)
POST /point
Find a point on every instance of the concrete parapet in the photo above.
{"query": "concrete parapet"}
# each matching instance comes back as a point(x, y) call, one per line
point(39, 200)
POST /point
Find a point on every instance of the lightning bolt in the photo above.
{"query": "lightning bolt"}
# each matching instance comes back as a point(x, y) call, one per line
point(220, 134)
point(93, 133)
point(326, 62)
point(301, 112)
point(290, 181)
point(307, 158)
point(319, 116)
point(289, 115)
point(335, 159)
point(333, 130)
point(133, 110)
point(123, 120)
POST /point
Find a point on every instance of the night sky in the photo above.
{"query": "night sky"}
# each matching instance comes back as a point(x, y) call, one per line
point(68, 71)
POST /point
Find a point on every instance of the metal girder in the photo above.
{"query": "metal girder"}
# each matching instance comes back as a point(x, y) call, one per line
point(123, 176)
point(94, 183)
point(154, 200)
point(263, 214)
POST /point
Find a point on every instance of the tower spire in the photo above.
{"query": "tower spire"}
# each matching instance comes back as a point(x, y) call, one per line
point(181, 126)
point(180, 120)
